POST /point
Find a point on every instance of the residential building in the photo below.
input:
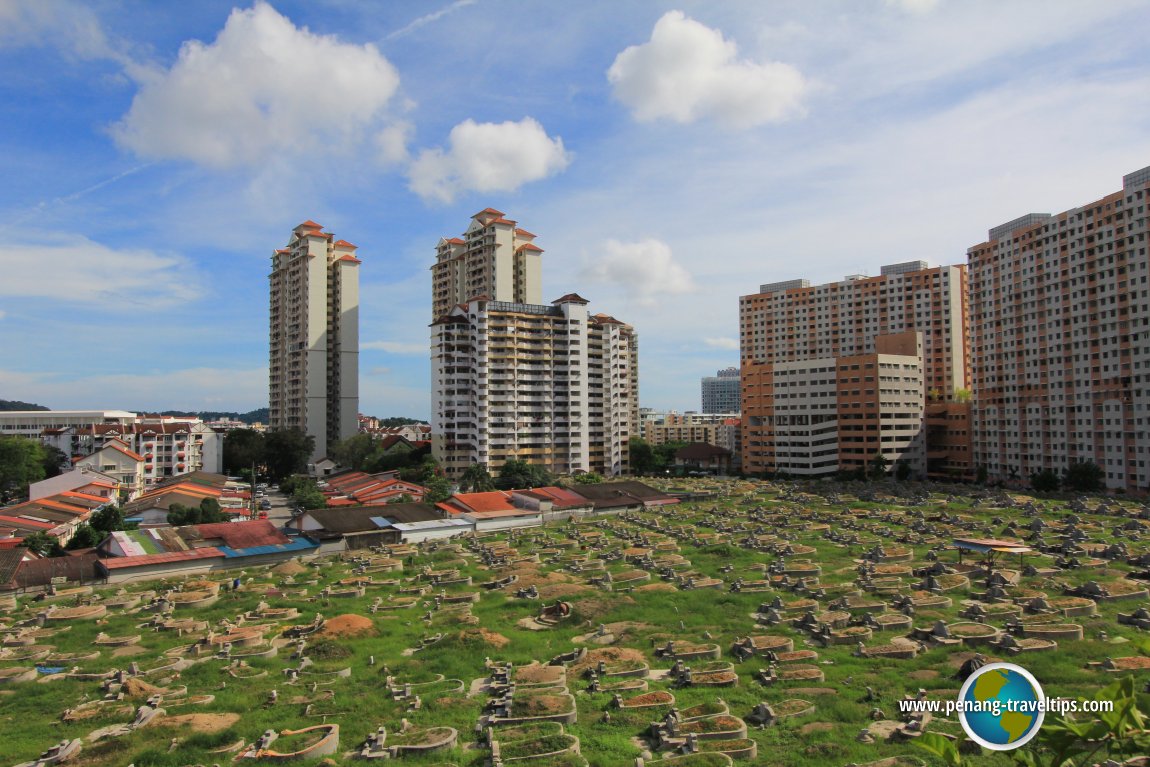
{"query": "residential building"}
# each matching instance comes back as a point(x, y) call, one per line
point(512, 378)
point(795, 323)
point(1061, 354)
point(721, 392)
point(169, 445)
point(839, 413)
point(313, 371)
point(493, 258)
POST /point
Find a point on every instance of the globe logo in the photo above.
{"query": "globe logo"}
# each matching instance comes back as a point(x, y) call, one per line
point(1001, 706)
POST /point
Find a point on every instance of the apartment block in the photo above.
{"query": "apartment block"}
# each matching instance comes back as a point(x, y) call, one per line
point(550, 385)
point(512, 378)
point(721, 392)
point(313, 375)
point(834, 414)
point(794, 322)
point(168, 445)
point(1060, 309)
point(493, 258)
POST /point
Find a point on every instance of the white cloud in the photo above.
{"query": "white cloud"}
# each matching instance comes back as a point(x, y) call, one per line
point(70, 27)
point(263, 87)
point(688, 72)
point(3, 314)
point(487, 157)
point(722, 343)
point(396, 347)
point(74, 269)
point(645, 270)
point(391, 143)
point(913, 6)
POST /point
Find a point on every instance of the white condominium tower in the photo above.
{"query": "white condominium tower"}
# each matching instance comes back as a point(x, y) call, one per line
point(512, 378)
point(313, 382)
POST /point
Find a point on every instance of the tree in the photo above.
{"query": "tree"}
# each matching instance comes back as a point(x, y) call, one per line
point(243, 448)
point(286, 452)
point(85, 537)
point(642, 456)
point(518, 475)
point(962, 395)
point(52, 460)
point(588, 478)
point(109, 519)
point(476, 479)
point(307, 495)
point(665, 454)
point(878, 466)
point(207, 512)
point(1045, 481)
point(43, 544)
point(902, 471)
point(353, 452)
point(981, 475)
point(438, 489)
point(421, 473)
point(21, 463)
point(1084, 477)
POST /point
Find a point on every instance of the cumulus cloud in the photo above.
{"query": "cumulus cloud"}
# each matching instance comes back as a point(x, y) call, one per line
point(87, 272)
point(722, 343)
point(688, 72)
point(487, 157)
point(396, 347)
point(646, 270)
point(391, 143)
point(263, 87)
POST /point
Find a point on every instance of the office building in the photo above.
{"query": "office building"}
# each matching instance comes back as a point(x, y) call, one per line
point(313, 370)
point(1060, 310)
point(721, 392)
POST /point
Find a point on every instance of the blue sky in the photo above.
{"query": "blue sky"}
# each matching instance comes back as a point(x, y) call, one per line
point(670, 158)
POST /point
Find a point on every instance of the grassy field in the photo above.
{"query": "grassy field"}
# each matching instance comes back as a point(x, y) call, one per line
point(711, 535)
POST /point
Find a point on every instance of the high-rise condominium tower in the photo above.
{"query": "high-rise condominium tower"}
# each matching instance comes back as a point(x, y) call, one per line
point(512, 378)
point(1061, 350)
point(313, 380)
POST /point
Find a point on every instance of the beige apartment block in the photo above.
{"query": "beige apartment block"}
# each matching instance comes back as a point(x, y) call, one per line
point(1060, 309)
point(493, 258)
point(512, 378)
point(313, 377)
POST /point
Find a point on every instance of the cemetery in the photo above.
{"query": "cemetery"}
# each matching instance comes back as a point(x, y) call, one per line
point(759, 623)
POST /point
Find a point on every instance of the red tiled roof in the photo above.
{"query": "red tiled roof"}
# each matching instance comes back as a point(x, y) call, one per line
point(523, 233)
point(119, 563)
point(22, 523)
point(310, 225)
point(243, 535)
point(606, 319)
point(571, 298)
point(529, 246)
point(493, 500)
point(502, 220)
point(455, 241)
point(491, 211)
point(560, 497)
point(344, 244)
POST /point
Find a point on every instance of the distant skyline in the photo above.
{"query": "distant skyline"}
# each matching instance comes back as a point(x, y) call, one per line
point(669, 156)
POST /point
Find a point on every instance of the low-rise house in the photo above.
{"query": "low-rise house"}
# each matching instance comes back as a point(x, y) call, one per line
point(82, 480)
point(340, 529)
point(163, 552)
point(703, 458)
point(491, 511)
point(617, 497)
point(369, 489)
point(553, 502)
